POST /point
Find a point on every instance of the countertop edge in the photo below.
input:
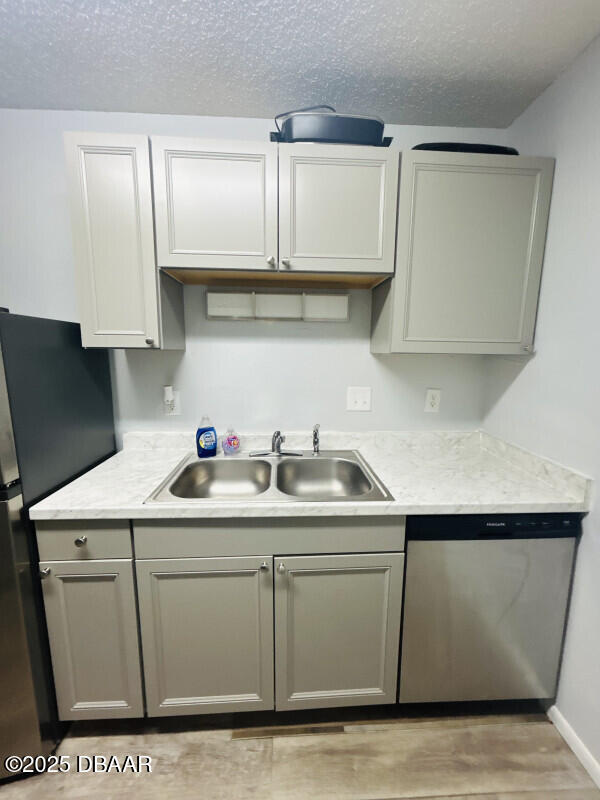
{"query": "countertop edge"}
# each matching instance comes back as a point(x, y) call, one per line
point(333, 511)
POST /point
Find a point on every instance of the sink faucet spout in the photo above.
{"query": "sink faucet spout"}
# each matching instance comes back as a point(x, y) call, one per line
point(276, 442)
point(316, 442)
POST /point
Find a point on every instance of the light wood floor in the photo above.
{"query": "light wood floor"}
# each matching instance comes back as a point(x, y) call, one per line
point(476, 757)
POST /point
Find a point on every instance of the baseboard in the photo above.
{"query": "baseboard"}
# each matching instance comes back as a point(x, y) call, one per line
point(575, 743)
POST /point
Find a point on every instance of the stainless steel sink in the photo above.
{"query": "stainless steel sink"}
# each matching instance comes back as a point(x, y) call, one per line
point(220, 479)
point(323, 478)
point(333, 475)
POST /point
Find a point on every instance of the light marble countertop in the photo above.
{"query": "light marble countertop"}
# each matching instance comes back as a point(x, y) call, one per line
point(427, 473)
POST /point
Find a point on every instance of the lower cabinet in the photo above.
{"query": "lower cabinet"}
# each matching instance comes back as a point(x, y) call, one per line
point(207, 634)
point(218, 634)
point(92, 625)
point(337, 629)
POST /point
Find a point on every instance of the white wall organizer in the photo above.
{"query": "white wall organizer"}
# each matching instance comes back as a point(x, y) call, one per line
point(306, 306)
point(230, 305)
point(278, 306)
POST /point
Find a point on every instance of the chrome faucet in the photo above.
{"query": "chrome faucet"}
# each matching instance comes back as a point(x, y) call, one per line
point(316, 442)
point(276, 441)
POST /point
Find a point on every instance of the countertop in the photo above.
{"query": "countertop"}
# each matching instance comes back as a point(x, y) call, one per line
point(426, 472)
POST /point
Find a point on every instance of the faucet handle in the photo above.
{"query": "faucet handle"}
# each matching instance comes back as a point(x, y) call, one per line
point(277, 441)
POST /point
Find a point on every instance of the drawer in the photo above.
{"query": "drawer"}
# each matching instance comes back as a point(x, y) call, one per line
point(62, 540)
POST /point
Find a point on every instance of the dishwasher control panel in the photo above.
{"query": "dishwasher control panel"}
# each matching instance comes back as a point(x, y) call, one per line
point(492, 526)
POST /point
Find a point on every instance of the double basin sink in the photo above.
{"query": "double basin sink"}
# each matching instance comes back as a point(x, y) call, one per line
point(332, 475)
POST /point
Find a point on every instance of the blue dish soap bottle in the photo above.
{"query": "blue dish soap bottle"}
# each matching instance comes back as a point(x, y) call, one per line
point(206, 439)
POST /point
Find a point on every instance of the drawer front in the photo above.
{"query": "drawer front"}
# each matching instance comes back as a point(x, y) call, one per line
point(62, 540)
point(249, 537)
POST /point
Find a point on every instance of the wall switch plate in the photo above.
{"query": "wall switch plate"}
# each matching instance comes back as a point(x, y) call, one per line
point(172, 408)
point(433, 399)
point(358, 398)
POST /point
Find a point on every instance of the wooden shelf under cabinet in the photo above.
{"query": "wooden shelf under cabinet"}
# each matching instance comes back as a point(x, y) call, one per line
point(240, 278)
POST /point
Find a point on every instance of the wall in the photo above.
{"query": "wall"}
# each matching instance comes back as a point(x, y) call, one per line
point(264, 375)
point(552, 404)
point(254, 375)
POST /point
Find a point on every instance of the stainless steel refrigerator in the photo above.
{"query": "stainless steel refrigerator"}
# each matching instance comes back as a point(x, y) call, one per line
point(56, 422)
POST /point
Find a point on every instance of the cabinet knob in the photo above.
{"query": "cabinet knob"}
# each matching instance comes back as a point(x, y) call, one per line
point(44, 572)
point(286, 263)
point(150, 342)
point(271, 261)
point(264, 565)
point(281, 568)
point(80, 541)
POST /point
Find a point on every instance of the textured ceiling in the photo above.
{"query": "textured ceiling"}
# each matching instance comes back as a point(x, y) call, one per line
point(440, 62)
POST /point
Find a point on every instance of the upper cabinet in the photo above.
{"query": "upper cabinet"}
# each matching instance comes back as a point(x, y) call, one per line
point(470, 245)
point(465, 235)
point(337, 208)
point(216, 204)
point(122, 300)
point(223, 206)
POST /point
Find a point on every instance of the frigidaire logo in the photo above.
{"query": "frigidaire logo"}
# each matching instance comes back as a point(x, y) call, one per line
point(495, 524)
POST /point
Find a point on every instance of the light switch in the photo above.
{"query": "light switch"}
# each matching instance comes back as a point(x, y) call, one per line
point(358, 398)
point(171, 402)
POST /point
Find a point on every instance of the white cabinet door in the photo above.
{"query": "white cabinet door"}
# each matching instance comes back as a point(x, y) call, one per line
point(471, 235)
point(113, 238)
point(207, 634)
point(216, 203)
point(92, 626)
point(337, 629)
point(337, 208)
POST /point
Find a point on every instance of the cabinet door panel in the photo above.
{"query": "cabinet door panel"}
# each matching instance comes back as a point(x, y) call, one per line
point(337, 629)
point(113, 236)
point(471, 235)
point(92, 625)
point(337, 208)
point(207, 634)
point(216, 203)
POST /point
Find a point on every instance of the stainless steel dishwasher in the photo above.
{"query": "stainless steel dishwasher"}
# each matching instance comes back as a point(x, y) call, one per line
point(485, 606)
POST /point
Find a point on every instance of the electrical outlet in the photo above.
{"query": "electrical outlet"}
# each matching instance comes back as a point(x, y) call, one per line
point(433, 399)
point(358, 398)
